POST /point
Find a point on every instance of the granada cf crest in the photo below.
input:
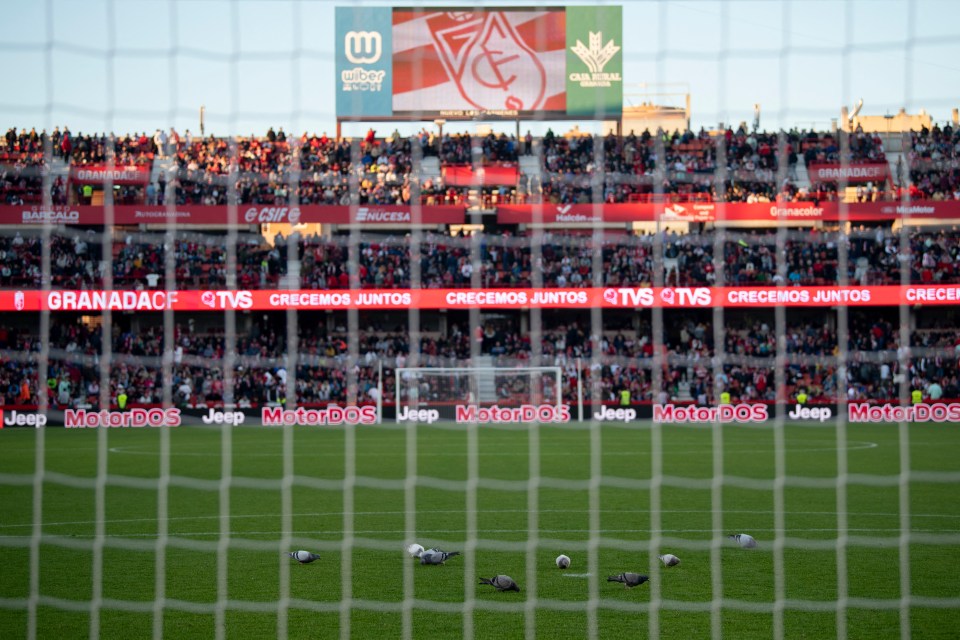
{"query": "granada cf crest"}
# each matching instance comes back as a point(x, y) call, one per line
point(492, 66)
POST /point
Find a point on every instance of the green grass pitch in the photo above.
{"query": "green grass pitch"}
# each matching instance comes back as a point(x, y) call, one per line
point(250, 571)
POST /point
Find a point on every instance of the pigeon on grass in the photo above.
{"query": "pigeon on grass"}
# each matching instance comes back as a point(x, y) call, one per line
point(303, 557)
point(745, 540)
point(629, 580)
point(669, 560)
point(501, 583)
point(436, 556)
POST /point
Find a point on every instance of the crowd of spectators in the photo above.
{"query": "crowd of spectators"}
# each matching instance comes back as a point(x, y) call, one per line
point(750, 258)
point(736, 165)
point(617, 359)
point(934, 161)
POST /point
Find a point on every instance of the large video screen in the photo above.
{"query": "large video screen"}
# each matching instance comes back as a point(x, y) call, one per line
point(428, 63)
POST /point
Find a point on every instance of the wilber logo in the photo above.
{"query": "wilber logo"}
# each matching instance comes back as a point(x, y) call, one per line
point(18, 301)
point(363, 47)
point(493, 66)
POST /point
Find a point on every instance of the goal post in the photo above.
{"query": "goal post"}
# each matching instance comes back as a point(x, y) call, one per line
point(427, 394)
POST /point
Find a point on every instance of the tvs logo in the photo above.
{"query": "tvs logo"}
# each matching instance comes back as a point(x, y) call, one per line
point(18, 301)
point(669, 297)
point(493, 67)
point(686, 297)
point(363, 47)
point(227, 299)
point(629, 297)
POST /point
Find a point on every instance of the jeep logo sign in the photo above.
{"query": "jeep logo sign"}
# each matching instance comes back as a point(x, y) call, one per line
point(606, 414)
point(801, 412)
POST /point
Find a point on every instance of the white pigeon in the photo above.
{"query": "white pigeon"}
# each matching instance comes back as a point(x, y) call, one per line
point(303, 557)
point(745, 540)
point(563, 562)
point(669, 560)
point(436, 556)
point(414, 550)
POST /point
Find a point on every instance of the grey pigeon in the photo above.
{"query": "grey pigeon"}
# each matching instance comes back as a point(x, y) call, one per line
point(630, 580)
point(436, 556)
point(303, 557)
point(745, 540)
point(669, 560)
point(501, 583)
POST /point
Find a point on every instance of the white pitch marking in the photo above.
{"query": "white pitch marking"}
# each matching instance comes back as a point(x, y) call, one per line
point(481, 511)
point(577, 575)
point(853, 445)
point(893, 540)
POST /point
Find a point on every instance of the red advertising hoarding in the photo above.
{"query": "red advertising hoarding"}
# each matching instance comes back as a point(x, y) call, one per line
point(586, 298)
point(732, 211)
point(399, 215)
point(559, 214)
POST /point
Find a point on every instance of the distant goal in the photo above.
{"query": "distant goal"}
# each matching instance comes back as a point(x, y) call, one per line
point(485, 394)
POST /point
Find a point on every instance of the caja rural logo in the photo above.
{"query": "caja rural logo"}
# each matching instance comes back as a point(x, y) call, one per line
point(596, 56)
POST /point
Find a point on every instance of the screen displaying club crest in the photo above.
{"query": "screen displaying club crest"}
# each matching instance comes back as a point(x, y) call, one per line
point(491, 63)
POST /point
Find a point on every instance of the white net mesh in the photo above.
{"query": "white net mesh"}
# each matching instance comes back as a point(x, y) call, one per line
point(615, 491)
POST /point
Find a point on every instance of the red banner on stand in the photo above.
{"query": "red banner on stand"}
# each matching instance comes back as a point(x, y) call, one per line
point(873, 172)
point(486, 175)
point(518, 299)
point(99, 174)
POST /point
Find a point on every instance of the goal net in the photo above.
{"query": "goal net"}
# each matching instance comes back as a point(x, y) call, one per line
point(601, 318)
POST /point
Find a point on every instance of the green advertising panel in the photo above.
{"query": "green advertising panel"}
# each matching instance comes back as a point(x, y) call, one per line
point(594, 62)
